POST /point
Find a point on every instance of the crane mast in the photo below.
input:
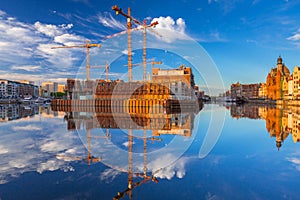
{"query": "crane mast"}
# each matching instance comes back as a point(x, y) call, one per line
point(87, 45)
point(129, 32)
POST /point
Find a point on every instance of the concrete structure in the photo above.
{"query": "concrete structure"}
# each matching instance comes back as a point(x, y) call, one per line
point(180, 80)
point(277, 81)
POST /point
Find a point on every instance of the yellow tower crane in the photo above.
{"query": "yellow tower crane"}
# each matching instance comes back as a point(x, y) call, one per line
point(106, 70)
point(87, 45)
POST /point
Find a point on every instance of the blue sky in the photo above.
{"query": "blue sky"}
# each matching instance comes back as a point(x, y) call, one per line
point(243, 38)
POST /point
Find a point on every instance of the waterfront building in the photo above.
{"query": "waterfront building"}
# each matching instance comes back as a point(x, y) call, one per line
point(248, 91)
point(61, 87)
point(14, 89)
point(290, 88)
point(26, 82)
point(276, 79)
point(180, 80)
point(235, 90)
point(49, 87)
point(296, 85)
point(262, 91)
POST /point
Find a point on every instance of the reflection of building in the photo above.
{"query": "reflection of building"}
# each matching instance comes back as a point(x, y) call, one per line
point(247, 111)
point(175, 124)
point(280, 123)
point(10, 112)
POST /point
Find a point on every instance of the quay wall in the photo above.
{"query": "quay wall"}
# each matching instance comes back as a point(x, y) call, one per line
point(128, 105)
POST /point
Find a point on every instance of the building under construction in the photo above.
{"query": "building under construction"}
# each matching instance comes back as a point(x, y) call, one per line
point(171, 88)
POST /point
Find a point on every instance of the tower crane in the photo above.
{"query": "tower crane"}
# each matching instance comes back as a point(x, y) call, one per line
point(106, 70)
point(129, 41)
point(150, 62)
point(87, 45)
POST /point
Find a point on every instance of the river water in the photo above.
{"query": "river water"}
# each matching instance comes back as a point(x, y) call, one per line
point(220, 152)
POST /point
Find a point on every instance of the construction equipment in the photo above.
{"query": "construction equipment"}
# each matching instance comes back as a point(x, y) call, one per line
point(145, 65)
point(129, 29)
point(87, 45)
point(106, 70)
point(155, 63)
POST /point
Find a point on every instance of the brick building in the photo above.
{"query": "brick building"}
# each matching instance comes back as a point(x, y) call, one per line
point(248, 91)
point(277, 81)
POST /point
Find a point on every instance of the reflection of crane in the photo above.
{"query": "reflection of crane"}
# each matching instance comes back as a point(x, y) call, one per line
point(106, 70)
point(146, 178)
point(129, 41)
point(87, 45)
point(90, 158)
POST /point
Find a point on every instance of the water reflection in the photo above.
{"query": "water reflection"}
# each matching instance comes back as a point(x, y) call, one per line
point(10, 112)
point(131, 141)
point(93, 159)
point(280, 122)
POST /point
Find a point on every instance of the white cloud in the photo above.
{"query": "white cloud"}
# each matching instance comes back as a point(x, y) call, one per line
point(176, 169)
point(2, 13)
point(126, 144)
point(26, 128)
point(170, 29)
point(28, 68)
point(23, 43)
point(69, 39)
point(3, 150)
point(109, 175)
point(295, 161)
point(48, 29)
point(295, 37)
point(53, 146)
point(125, 51)
point(52, 165)
point(109, 21)
point(36, 152)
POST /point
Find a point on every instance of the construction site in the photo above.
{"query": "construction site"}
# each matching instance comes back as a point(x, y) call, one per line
point(172, 89)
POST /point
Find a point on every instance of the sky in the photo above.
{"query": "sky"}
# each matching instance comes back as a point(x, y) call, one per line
point(243, 38)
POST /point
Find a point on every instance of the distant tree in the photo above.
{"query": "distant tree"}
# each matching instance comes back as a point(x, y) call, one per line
point(57, 94)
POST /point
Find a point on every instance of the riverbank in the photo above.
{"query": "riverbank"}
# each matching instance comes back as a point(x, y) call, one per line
point(9, 101)
point(288, 102)
point(274, 102)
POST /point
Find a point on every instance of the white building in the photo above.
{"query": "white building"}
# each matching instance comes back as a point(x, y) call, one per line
point(14, 89)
